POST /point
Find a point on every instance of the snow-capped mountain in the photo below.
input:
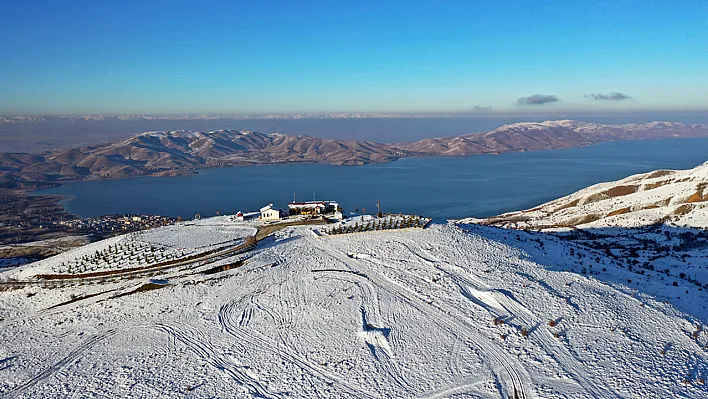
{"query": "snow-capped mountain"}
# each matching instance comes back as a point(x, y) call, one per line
point(529, 136)
point(173, 152)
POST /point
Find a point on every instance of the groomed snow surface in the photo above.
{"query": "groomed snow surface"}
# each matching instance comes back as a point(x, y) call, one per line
point(434, 313)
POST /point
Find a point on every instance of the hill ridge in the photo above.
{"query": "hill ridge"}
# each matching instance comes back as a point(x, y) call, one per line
point(171, 152)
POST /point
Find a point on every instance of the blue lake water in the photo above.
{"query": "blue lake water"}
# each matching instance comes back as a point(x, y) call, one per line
point(438, 187)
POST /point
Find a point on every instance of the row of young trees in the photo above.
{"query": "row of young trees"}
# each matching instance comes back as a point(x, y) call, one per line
point(389, 223)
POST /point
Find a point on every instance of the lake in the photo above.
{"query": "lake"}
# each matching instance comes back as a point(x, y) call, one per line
point(438, 187)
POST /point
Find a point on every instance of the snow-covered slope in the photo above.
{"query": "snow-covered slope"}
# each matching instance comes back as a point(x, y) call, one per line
point(670, 197)
point(431, 313)
point(652, 226)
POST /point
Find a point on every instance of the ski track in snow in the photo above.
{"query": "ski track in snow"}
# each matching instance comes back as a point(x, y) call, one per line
point(200, 345)
point(373, 331)
point(70, 357)
point(226, 319)
point(510, 373)
point(501, 303)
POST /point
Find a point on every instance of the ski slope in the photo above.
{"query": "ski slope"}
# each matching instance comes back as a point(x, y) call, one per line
point(434, 313)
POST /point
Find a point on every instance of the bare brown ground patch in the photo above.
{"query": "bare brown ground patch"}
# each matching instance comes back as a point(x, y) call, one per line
point(143, 288)
point(507, 219)
point(612, 192)
point(696, 197)
point(619, 211)
point(683, 209)
point(620, 191)
point(659, 173)
point(568, 205)
point(657, 184)
point(580, 220)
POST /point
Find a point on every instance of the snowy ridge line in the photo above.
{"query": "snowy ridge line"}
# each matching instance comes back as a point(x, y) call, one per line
point(650, 230)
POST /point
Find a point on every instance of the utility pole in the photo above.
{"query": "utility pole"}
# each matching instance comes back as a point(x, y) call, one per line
point(378, 209)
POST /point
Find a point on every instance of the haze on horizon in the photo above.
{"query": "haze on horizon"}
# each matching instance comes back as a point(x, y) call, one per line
point(545, 57)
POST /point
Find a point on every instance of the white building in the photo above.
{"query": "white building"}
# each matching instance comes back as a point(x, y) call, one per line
point(270, 213)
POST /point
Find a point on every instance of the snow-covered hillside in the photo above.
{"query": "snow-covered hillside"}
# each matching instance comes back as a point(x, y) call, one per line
point(431, 313)
point(652, 226)
point(670, 197)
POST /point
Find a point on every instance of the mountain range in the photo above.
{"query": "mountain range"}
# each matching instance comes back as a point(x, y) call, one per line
point(175, 152)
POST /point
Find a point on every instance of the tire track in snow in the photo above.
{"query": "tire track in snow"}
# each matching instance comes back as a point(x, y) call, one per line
point(248, 306)
point(373, 332)
point(70, 357)
point(497, 301)
point(513, 377)
point(200, 345)
point(229, 326)
point(469, 388)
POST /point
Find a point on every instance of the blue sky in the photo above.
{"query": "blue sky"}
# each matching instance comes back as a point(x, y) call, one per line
point(230, 57)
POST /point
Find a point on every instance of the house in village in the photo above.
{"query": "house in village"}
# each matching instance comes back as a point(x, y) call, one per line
point(268, 212)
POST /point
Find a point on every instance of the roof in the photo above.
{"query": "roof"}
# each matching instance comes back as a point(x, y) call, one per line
point(267, 207)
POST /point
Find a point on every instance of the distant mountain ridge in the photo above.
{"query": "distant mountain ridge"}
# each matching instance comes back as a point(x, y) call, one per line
point(174, 152)
point(531, 136)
